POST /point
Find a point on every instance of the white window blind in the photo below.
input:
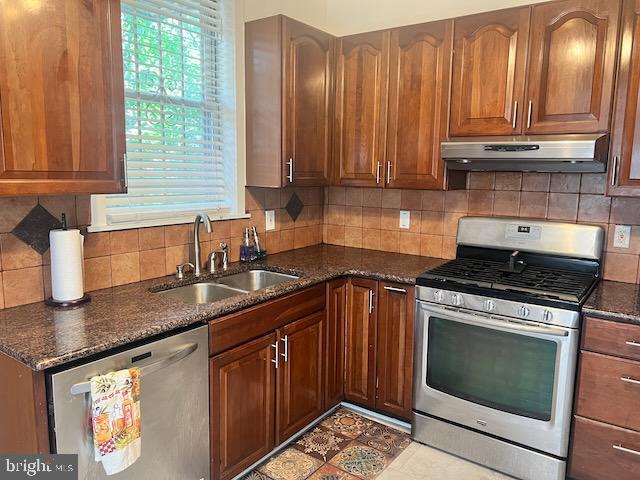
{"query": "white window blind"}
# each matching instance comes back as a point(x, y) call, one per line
point(179, 80)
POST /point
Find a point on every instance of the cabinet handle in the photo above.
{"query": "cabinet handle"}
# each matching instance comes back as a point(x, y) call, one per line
point(388, 172)
point(370, 301)
point(290, 164)
point(632, 343)
point(275, 360)
point(285, 340)
point(529, 113)
point(378, 167)
point(630, 380)
point(515, 115)
point(626, 450)
point(394, 289)
point(614, 171)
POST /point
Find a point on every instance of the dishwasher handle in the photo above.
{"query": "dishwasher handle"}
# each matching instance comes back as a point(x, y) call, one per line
point(85, 387)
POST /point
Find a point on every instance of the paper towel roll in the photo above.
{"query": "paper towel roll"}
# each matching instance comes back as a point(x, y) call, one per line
point(67, 265)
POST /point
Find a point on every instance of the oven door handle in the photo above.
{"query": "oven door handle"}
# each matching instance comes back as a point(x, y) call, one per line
point(506, 324)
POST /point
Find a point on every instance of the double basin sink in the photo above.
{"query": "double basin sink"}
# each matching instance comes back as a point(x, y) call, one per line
point(229, 286)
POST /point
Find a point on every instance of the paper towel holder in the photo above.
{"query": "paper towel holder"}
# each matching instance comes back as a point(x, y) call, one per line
point(68, 303)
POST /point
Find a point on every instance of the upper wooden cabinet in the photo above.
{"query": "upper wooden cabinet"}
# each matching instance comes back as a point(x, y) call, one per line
point(489, 66)
point(624, 164)
point(288, 91)
point(62, 97)
point(572, 63)
point(419, 73)
point(361, 108)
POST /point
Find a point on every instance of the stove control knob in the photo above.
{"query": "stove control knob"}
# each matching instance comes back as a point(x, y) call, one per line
point(437, 296)
point(489, 305)
point(456, 299)
point(547, 316)
point(523, 311)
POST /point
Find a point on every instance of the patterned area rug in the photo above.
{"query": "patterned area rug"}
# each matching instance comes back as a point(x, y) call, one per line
point(345, 446)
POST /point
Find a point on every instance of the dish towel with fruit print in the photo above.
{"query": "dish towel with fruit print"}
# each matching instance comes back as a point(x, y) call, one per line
point(115, 408)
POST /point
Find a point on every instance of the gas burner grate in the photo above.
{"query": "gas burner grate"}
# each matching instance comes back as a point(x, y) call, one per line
point(539, 281)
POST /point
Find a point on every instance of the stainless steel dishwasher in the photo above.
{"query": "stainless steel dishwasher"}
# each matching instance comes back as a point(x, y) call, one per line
point(174, 402)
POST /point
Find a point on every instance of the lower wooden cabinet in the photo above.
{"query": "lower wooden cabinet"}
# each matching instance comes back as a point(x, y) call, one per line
point(360, 338)
point(394, 364)
point(334, 334)
point(242, 402)
point(300, 396)
point(379, 346)
point(602, 452)
point(606, 428)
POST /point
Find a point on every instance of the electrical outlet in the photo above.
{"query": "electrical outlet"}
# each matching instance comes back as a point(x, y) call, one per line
point(622, 236)
point(405, 219)
point(269, 220)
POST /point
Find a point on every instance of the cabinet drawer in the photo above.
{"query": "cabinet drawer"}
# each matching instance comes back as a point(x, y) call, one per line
point(609, 390)
point(245, 325)
point(603, 452)
point(613, 338)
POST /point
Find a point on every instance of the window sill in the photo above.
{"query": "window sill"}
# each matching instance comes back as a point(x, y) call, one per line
point(163, 222)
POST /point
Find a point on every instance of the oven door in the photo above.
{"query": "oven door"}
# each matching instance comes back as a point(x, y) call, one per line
point(496, 375)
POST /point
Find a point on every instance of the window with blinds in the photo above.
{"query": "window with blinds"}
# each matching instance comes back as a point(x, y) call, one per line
point(179, 114)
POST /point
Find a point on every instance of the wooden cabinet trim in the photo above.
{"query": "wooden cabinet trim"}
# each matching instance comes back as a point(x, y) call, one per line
point(335, 341)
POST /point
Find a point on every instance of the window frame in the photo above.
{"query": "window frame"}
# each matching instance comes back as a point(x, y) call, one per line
point(234, 153)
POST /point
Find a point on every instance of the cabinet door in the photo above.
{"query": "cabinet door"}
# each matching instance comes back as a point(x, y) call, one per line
point(624, 166)
point(360, 380)
point(489, 65)
point(336, 314)
point(361, 105)
point(395, 349)
point(572, 66)
point(300, 374)
point(62, 97)
point(242, 406)
point(419, 66)
point(307, 87)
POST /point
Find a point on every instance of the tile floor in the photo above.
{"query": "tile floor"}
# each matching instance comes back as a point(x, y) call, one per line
point(348, 446)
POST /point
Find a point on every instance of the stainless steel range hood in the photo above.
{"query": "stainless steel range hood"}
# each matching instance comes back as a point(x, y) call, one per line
point(537, 153)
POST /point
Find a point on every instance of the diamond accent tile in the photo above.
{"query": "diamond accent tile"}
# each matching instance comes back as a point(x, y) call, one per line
point(34, 228)
point(294, 206)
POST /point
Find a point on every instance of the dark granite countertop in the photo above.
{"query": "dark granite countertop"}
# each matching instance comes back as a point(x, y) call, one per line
point(615, 301)
point(43, 337)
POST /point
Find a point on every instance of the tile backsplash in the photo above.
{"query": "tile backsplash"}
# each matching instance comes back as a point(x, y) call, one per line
point(126, 256)
point(356, 217)
point(369, 217)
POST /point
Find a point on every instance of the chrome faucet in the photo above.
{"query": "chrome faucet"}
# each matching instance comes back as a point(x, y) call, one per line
point(197, 271)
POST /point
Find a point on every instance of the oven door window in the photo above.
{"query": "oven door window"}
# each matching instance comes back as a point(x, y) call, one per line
point(507, 371)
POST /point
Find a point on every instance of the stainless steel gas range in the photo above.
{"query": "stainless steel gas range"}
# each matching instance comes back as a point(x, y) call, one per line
point(497, 332)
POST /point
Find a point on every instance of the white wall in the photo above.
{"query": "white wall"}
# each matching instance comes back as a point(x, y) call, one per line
point(344, 17)
point(353, 16)
point(312, 12)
